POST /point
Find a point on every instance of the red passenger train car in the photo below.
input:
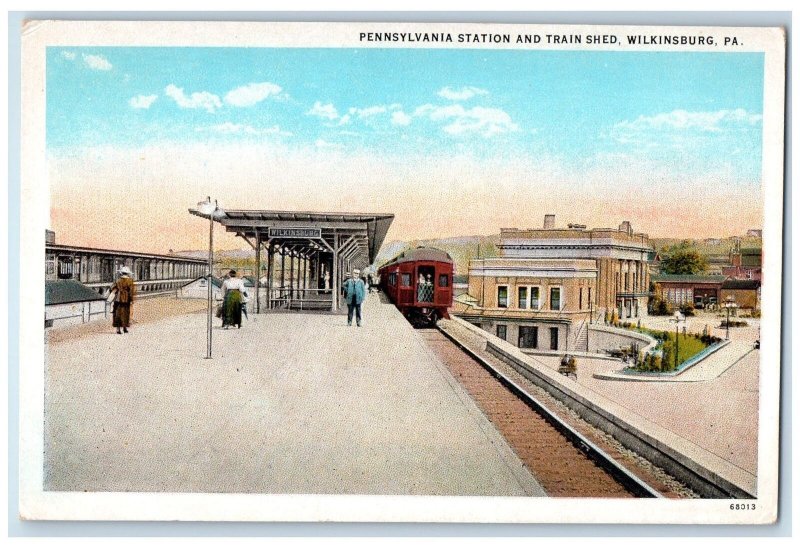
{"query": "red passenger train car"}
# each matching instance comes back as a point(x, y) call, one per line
point(420, 284)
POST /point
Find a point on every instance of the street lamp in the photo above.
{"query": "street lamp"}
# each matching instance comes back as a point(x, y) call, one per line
point(678, 318)
point(209, 209)
point(730, 304)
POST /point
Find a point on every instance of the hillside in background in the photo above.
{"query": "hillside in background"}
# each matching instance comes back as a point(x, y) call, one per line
point(460, 248)
point(710, 247)
point(464, 248)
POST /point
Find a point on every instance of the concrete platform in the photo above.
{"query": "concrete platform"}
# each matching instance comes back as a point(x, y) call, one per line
point(291, 403)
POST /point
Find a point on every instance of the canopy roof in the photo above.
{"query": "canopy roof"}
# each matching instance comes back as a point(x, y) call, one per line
point(368, 230)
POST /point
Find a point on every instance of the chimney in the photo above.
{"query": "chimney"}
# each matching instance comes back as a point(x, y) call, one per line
point(549, 220)
point(626, 227)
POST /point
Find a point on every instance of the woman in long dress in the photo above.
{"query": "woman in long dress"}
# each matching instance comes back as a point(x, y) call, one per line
point(232, 290)
point(124, 290)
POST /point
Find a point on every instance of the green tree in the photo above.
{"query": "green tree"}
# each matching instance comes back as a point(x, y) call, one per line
point(683, 258)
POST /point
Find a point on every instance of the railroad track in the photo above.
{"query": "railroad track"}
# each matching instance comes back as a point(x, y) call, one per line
point(565, 462)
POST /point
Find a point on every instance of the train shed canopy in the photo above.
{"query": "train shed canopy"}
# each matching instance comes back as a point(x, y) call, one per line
point(368, 229)
point(325, 245)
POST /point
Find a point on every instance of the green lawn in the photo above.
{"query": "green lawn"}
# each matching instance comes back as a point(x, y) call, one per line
point(688, 345)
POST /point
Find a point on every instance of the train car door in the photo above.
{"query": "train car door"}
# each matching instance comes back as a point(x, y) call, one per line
point(424, 284)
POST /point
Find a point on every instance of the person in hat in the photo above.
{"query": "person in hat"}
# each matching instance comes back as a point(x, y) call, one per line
point(354, 293)
point(124, 291)
point(233, 291)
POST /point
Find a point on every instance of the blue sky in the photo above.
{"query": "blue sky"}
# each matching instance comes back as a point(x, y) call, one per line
point(465, 119)
point(696, 109)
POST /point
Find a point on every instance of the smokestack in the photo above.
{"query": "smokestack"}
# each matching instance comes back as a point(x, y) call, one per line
point(550, 221)
point(626, 227)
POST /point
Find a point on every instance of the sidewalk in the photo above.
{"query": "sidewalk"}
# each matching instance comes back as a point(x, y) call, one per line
point(290, 403)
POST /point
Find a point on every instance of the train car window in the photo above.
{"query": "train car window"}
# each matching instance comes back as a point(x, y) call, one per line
point(502, 331)
point(444, 280)
point(405, 279)
point(502, 296)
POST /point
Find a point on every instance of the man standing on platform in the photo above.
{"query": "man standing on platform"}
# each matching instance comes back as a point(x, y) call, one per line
point(354, 293)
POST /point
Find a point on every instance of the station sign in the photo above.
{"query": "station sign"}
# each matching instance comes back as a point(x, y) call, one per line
point(295, 232)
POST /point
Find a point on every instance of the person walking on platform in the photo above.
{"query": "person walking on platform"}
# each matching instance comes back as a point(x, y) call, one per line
point(354, 293)
point(123, 292)
point(232, 290)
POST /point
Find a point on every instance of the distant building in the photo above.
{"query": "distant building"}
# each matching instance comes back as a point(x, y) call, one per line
point(97, 268)
point(621, 257)
point(744, 263)
point(682, 289)
point(754, 232)
point(745, 293)
point(537, 304)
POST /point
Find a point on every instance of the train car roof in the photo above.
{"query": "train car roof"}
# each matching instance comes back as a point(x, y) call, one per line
point(422, 254)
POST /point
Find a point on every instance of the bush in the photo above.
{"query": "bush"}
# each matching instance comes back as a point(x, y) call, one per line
point(687, 309)
point(733, 323)
point(668, 355)
point(657, 362)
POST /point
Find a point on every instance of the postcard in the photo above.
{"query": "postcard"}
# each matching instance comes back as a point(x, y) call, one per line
point(400, 272)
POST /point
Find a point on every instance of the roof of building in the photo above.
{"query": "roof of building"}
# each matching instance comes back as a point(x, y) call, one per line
point(68, 291)
point(55, 248)
point(751, 256)
point(741, 284)
point(367, 230)
point(689, 278)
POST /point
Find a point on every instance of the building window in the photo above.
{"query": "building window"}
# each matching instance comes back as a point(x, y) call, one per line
point(589, 299)
point(50, 265)
point(444, 280)
point(502, 296)
point(522, 297)
point(580, 298)
point(555, 298)
point(553, 338)
point(502, 331)
point(405, 279)
point(65, 267)
point(535, 303)
point(528, 337)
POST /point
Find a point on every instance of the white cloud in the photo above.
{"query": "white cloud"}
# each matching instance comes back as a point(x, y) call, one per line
point(251, 94)
point(368, 111)
point(684, 120)
point(487, 122)
point(97, 62)
point(467, 92)
point(344, 120)
point(321, 143)
point(198, 99)
point(68, 55)
point(324, 111)
point(231, 128)
point(400, 118)
point(142, 101)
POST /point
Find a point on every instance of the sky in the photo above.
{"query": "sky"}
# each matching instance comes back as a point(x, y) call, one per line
point(452, 141)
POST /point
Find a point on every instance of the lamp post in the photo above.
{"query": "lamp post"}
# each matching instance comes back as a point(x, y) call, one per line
point(730, 304)
point(678, 318)
point(210, 209)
